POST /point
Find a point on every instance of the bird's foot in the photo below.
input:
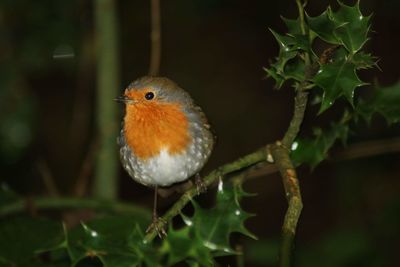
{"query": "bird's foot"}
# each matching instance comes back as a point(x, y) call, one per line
point(158, 226)
point(201, 187)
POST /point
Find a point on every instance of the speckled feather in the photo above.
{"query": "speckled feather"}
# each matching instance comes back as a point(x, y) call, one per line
point(165, 168)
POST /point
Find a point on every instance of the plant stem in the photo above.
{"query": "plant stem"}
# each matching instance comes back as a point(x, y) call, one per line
point(237, 165)
point(155, 37)
point(105, 183)
point(281, 155)
point(300, 103)
point(304, 29)
point(293, 196)
point(57, 203)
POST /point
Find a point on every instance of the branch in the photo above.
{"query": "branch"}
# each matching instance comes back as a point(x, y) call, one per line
point(298, 115)
point(281, 155)
point(368, 149)
point(81, 184)
point(155, 37)
point(57, 203)
point(48, 178)
point(237, 165)
point(293, 196)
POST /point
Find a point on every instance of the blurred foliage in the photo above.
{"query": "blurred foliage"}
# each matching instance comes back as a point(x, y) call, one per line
point(17, 116)
point(25, 50)
point(117, 240)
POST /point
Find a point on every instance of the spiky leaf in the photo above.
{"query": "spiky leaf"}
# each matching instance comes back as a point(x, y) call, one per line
point(116, 241)
point(295, 70)
point(313, 151)
point(364, 60)
point(286, 50)
point(185, 245)
point(337, 79)
point(324, 26)
point(384, 101)
point(293, 25)
point(214, 226)
point(354, 27)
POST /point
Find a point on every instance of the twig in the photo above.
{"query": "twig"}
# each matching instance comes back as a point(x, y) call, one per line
point(298, 115)
point(47, 178)
point(56, 203)
point(237, 165)
point(368, 149)
point(239, 256)
point(80, 188)
point(155, 37)
point(350, 152)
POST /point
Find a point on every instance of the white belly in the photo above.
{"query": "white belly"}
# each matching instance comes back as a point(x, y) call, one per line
point(166, 169)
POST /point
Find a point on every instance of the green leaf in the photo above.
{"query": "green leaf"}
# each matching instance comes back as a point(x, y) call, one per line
point(214, 226)
point(286, 50)
point(21, 238)
point(115, 240)
point(293, 25)
point(384, 101)
point(354, 27)
point(364, 61)
point(313, 151)
point(324, 26)
point(184, 244)
point(273, 73)
point(300, 41)
point(337, 79)
point(295, 70)
point(347, 27)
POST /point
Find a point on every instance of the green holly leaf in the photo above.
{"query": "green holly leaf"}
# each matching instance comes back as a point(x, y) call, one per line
point(214, 226)
point(114, 240)
point(364, 61)
point(185, 245)
point(293, 25)
point(384, 101)
point(21, 238)
point(295, 70)
point(301, 41)
point(337, 79)
point(287, 50)
point(313, 151)
point(273, 73)
point(324, 26)
point(354, 27)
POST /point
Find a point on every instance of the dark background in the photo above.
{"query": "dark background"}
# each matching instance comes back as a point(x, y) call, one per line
point(216, 50)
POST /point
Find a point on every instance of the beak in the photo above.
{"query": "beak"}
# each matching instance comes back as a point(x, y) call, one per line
point(124, 99)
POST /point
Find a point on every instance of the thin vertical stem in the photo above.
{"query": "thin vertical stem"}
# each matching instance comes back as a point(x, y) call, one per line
point(155, 37)
point(304, 30)
point(105, 183)
point(281, 155)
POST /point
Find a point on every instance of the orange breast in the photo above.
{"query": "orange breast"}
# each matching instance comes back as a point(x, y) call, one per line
point(152, 126)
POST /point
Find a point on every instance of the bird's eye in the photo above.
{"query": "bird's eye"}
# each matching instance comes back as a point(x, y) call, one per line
point(149, 96)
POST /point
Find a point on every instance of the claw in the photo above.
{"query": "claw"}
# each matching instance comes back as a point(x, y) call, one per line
point(158, 226)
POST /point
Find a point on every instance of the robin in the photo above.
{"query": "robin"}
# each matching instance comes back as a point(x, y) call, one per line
point(165, 137)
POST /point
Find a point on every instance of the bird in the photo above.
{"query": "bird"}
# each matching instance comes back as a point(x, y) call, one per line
point(165, 137)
